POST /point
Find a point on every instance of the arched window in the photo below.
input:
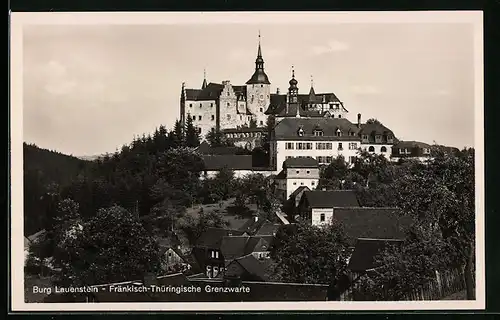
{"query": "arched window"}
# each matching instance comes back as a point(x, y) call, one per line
point(383, 149)
point(371, 149)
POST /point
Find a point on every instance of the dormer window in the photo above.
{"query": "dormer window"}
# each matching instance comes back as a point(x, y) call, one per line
point(390, 138)
point(427, 151)
point(378, 138)
point(338, 133)
point(318, 133)
point(300, 132)
point(364, 137)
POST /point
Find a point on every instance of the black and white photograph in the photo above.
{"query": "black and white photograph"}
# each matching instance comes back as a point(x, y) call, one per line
point(247, 161)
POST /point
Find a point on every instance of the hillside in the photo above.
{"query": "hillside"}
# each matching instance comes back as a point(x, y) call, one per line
point(43, 170)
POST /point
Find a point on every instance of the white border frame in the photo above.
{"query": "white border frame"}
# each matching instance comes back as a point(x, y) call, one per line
point(18, 20)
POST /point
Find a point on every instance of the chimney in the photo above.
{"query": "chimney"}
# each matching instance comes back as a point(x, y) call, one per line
point(277, 90)
point(359, 120)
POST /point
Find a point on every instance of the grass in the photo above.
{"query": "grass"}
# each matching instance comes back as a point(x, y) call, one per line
point(235, 219)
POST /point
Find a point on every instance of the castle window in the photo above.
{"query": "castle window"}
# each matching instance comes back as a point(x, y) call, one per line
point(371, 149)
point(378, 138)
point(199, 117)
point(308, 171)
point(201, 105)
point(338, 133)
point(364, 137)
point(211, 105)
point(300, 132)
point(329, 159)
point(340, 146)
point(353, 146)
point(228, 104)
point(260, 110)
point(261, 122)
point(295, 183)
point(194, 117)
point(199, 130)
point(297, 171)
point(383, 149)
point(352, 159)
point(289, 146)
point(190, 105)
point(340, 116)
point(228, 117)
point(228, 94)
point(322, 217)
point(262, 86)
point(213, 117)
point(389, 138)
point(426, 151)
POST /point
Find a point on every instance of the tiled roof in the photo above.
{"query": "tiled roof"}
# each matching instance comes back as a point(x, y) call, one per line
point(229, 161)
point(375, 223)
point(365, 252)
point(212, 237)
point(233, 247)
point(280, 175)
point(256, 269)
point(212, 92)
point(330, 199)
point(372, 129)
point(252, 225)
point(306, 162)
point(288, 129)
point(299, 190)
point(277, 103)
point(268, 229)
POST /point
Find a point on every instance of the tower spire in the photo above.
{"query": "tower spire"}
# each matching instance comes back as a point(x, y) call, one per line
point(311, 91)
point(259, 76)
point(204, 85)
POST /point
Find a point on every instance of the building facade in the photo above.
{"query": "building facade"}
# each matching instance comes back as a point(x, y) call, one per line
point(296, 173)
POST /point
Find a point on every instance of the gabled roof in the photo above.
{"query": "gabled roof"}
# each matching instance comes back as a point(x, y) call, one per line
point(305, 162)
point(277, 103)
point(365, 252)
point(268, 229)
point(229, 161)
point(288, 129)
point(298, 191)
point(233, 247)
point(212, 92)
point(212, 237)
point(330, 199)
point(281, 175)
point(253, 267)
point(375, 128)
point(375, 223)
point(252, 225)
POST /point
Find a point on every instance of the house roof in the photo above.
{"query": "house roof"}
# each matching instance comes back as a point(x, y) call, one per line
point(288, 129)
point(298, 191)
point(306, 162)
point(268, 229)
point(365, 252)
point(254, 267)
point(411, 144)
point(233, 247)
point(280, 175)
point(330, 199)
point(210, 92)
point(277, 103)
point(212, 237)
point(374, 223)
point(252, 225)
point(229, 161)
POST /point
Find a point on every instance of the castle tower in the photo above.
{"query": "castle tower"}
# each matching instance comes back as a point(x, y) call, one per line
point(204, 84)
point(293, 90)
point(259, 90)
point(183, 104)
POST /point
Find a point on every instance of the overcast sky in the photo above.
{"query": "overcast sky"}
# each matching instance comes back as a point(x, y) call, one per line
point(89, 89)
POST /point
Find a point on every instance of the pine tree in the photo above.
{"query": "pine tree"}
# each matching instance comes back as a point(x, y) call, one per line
point(178, 134)
point(192, 138)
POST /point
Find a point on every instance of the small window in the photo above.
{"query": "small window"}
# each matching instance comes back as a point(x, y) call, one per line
point(313, 183)
point(295, 183)
point(383, 149)
point(301, 132)
point(340, 146)
point(199, 117)
point(262, 86)
point(228, 104)
point(302, 183)
point(213, 117)
point(190, 105)
point(211, 105)
point(260, 110)
point(228, 94)
point(308, 172)
point(340, 116)
point(228, 117)
point(322, 217)
point(170, 254)
point(298, 171)
point(371, 149)
point(261, 122)
point(194, 117)
point(201, 105)
point(216, 254)
point(338, 133)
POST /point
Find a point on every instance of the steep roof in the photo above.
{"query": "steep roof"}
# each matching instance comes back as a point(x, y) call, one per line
point(374, 223)
point(376, 128)
point(277, 103)
point(288, 129)
point(268, 229)
point(233, 247)
point(229, 161)
point(255, 268)
point(330, 199)
point(212, 92)
point(305, 162)
point(212, 237)
point(252, 225)
point(365, 252)
point(299, 190)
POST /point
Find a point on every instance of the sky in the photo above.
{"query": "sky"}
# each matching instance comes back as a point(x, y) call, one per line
point(88, 89)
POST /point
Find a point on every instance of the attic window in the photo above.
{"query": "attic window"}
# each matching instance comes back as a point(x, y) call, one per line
point(427, 151)
point(190, 105)
point(338, 133)
point(318, 133)
point(378, 138)
point(340, 116)
point(365, 137)
point(300, 132)
point(201, 105)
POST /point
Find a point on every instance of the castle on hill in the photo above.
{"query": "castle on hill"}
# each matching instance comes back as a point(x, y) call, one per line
point(241, 111)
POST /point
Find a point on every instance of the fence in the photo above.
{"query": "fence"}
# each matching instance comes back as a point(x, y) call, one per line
point(445, 284)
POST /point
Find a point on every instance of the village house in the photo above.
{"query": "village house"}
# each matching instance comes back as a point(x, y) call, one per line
point(297, 172)
point(247, 268)
point(207, 250)
point(317, 206)
point(233, 247)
